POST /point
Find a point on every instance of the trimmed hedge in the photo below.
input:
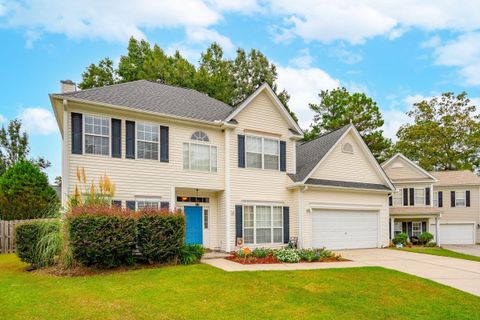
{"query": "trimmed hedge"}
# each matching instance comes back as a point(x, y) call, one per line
point(160, 235)
point(102, 237)
point(29, 246)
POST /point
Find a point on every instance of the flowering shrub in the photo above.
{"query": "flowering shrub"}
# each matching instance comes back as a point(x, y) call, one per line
point(260, 253)
point(311, 255)
point(243, 252)
point(287, 255)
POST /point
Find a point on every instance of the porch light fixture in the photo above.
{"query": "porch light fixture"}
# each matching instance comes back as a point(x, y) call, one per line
point(184, 198)
point(196, 198)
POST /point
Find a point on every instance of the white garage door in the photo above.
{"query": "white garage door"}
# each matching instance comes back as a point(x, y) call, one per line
point(337, 229)
point(456, 233)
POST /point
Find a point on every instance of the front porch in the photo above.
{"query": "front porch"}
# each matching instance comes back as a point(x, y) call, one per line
point(414, 221)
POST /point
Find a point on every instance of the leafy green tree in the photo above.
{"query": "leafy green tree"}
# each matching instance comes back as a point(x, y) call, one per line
point(338, 107)
point(445, 134)
point(14, 147)
point(130, 67)
point(99, 75)
point(26, 194)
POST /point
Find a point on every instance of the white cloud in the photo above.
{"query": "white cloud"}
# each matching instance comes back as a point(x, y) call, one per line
point(107, 20)
point(355, 21)
point(244, 6)
point(346, 56)
point(464, 53)
point(303, 85)
point(302, 60)
point(204, 36)
point(2, 119)
point(394, 119)
point(38, 121)
point(431, 42)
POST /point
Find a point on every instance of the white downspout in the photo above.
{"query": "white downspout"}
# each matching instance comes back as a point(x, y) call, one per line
point(301, 216)
point(227, 190)
point(65, 175)
point(437, 230)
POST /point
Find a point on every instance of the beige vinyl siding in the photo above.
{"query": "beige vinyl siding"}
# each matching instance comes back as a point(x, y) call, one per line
point(347, 198)
point(347, 166)
point(257, 185)
point(139, 177)
point(461, 214)
point(400, 170)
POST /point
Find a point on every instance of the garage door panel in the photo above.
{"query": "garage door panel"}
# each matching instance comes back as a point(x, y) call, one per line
point(344, 229)
point(456, 233)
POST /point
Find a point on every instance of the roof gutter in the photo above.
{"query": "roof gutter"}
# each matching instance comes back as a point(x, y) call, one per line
point(316, 186)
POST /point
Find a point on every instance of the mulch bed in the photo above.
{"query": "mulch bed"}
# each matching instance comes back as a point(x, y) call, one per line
point(271, 260)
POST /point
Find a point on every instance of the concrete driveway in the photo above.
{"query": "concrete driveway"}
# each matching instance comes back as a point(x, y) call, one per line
point(470, 249)
point(461, 274)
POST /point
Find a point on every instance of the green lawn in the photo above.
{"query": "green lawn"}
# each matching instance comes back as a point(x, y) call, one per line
point(201, 291)
point(441, 252)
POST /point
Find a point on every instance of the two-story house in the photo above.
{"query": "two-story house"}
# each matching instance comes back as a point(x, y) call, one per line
point(240, 174)
point(443, 202)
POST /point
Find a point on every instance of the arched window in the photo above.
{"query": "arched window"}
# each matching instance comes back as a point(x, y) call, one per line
point(347, 148)
point(200, 136)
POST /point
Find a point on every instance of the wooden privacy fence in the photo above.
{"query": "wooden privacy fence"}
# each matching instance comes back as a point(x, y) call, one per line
point(7, 234)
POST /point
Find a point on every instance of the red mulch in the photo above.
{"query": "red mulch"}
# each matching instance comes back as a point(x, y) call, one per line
point(271, 259)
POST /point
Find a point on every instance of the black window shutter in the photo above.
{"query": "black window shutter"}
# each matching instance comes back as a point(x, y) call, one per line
point(404, 227)
point(130, 205)
point(241, 151)
point(390, 201)
point(164, 141)
point(77, 129)
point(424, 226)
point(238, 221)
point(412, 196)
point(467, 198)
point(405, 197)
point(427, 196)
point(130, 139)
point(117, 203)
point(286, 224)
point(116, 138)
point(452, 199)
point(165, 205)
point(440, 199)
point(409, 229)
point(283, 156)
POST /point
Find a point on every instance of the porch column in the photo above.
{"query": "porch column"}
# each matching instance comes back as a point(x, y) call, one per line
point(227, 190)
point(392, 228)
point(437, 231)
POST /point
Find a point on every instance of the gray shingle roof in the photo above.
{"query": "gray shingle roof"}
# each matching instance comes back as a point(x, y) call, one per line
point(311, 152)
point(346, 184)
point(156, 97)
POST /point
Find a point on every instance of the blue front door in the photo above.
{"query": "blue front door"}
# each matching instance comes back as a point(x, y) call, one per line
point(194, 231)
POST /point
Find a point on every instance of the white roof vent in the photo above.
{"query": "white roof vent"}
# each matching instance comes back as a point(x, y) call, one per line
point(347, 148)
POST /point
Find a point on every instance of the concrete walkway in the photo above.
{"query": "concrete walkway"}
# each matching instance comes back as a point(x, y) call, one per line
point(461, 274)
point(471, 249)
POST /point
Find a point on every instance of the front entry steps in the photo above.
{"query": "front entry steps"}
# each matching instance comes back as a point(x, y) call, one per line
point(214, 255)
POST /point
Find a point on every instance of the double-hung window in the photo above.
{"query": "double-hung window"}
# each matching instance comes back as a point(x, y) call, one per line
point(420, 196)
point(397, 227)
point(199, 157)
point(460, 199)
point(416, 228)
point(142, 204)
point(397, 198)
point(97, 135)
point(148, 137)
point(262, 224)
point(262, 153)
point(435, 198)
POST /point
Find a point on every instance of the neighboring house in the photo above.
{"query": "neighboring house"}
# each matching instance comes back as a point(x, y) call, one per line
point(239, 173)
point(445, 203)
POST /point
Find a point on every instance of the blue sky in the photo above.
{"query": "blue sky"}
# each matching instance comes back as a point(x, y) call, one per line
point(398, 52)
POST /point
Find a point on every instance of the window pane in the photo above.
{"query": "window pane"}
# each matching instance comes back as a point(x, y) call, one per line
point(248, 217)
point(147, 204)
point(253, 144)
point(254, 160)
point(270, 146)
point(271, 162)
point(213, 158)
point(186, 156)
point(278, 235)
point(264, 235)
point(248, 236)
point(419, 196)
point(397, 198)
point(277, 217)
point(200, 157)
point(147, 150)
point(263, 217)
point(97, 132)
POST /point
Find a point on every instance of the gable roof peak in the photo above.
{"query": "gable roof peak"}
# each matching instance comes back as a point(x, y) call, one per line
point(412, 163)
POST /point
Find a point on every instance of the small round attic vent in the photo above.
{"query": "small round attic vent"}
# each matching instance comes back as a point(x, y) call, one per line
point(347, 148)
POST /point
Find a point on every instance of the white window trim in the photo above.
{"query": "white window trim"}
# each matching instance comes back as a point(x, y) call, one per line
point(435, 199)
point(395, 224)
point(415, 196)
point(190, 156)
point(101, 135)
point(464, 198)
point(262, 152)
point(136, 140)
point(417, 223)
point(255, 224)
point(400, 198)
